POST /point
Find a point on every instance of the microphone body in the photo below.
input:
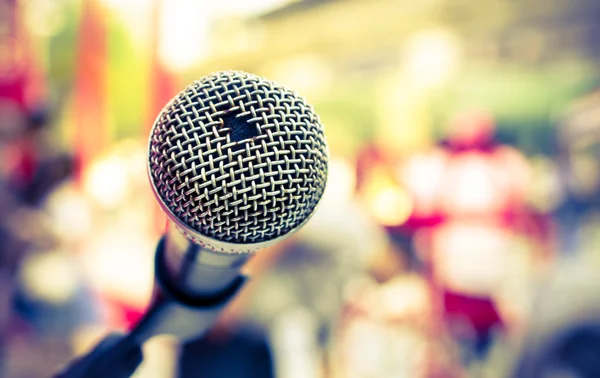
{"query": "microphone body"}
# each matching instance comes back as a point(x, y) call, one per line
point(193, 285)
point(238, 163)
point(199, 270)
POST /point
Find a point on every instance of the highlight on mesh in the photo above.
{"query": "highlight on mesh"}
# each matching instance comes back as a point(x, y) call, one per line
point(239, 158)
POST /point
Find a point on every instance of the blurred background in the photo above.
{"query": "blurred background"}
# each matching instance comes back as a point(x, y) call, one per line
point(459, 235)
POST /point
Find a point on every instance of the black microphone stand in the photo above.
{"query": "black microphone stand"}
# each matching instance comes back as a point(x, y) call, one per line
point(173, 311)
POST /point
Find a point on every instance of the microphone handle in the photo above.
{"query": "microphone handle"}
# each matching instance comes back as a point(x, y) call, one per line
point(179, 311)
point(174, 311)
point(117, 355)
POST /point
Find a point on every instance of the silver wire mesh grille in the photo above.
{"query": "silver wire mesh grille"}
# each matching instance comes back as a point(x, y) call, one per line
point(238, 158)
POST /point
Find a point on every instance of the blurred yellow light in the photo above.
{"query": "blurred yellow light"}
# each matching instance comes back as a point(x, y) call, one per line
point(119, 264)
point(390, 206)
point(423, 176)
point(473, 186)
point(308, 74)
point(585, 174)
point(341, 182)
point(463, 264)
point(43, 17)
point(545, 191)
point(106, 181)
point(406, 295)
point(237, 36)
point(184, 33)
point(120, 5)
point(135, 16)
point(70, 213)
point(49, 276)
point(431, 57)
point(403, 115)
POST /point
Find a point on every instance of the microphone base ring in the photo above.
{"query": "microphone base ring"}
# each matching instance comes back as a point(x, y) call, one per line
point(179, 313)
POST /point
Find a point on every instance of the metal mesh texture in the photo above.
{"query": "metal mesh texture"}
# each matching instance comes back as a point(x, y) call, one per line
point(238, 158)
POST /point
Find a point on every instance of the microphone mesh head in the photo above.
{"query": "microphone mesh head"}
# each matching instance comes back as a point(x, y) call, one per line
point(238, 158)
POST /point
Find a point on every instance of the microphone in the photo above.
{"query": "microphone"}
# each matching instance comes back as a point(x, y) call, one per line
point(238, 163)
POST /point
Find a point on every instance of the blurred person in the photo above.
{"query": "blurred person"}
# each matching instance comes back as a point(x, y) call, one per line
point(387, 325)
point(563, 336)
point(474, 229)
point(22, 229)
point(578, 157)
point(386, 319)
point(30, 171)
point(22, 98)
point(51, 302)
point(36, 162)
